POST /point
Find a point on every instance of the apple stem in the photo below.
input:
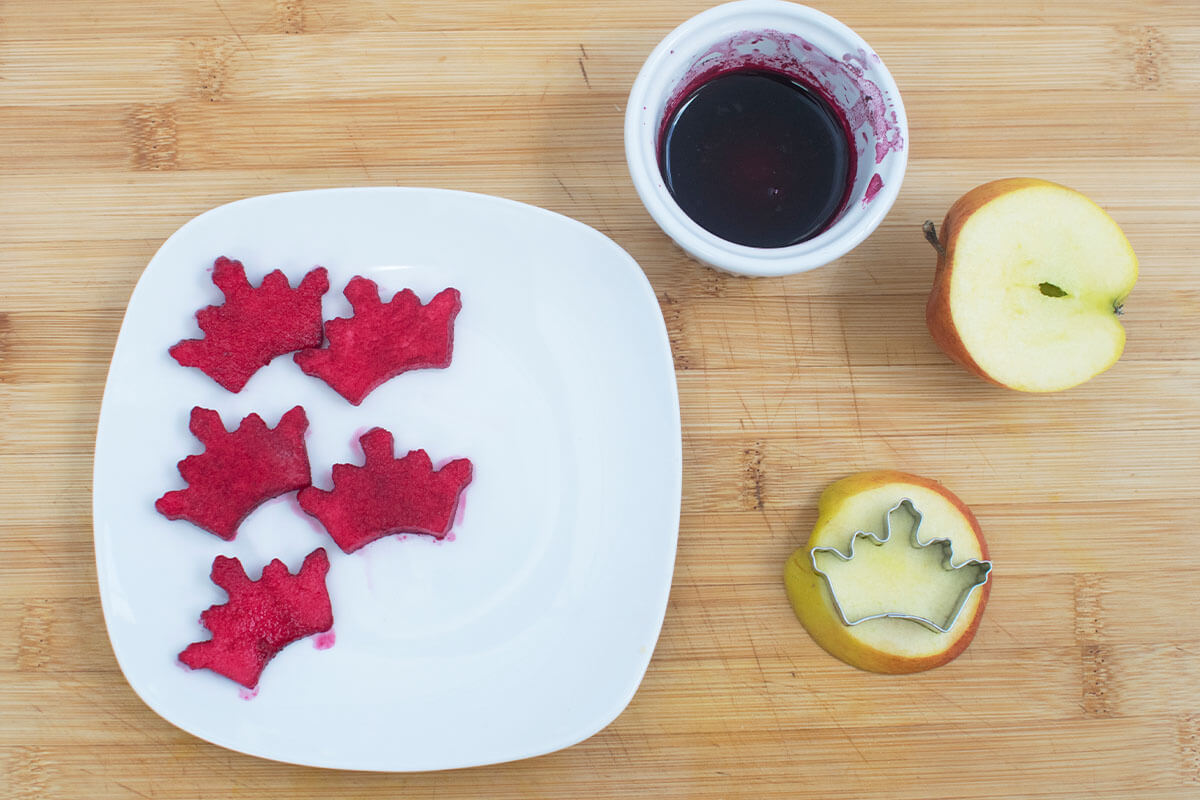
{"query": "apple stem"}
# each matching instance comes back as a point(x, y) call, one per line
point(1118, 308)
point(931, 235)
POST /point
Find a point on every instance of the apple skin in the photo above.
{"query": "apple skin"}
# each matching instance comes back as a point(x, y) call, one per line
point(938, 316)
point(937, 310)
point(809, 592)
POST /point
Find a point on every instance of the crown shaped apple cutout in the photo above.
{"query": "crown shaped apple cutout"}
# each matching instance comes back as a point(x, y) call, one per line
point(382, 340)
point(238, 471)
point(253, 326)
point(387, 495)
point(262, 617)
point(900, 576)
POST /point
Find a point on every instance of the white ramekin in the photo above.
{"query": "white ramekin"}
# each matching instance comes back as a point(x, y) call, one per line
point(811, 46)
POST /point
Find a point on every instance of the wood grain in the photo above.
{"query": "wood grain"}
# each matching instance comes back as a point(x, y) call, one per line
point(122, 120)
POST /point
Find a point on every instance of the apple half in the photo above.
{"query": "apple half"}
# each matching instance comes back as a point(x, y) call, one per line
point(1031, 277)
point(886, 644)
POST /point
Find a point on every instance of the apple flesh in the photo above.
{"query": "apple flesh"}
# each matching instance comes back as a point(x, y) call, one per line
point(861, 503)
point(1031, 277)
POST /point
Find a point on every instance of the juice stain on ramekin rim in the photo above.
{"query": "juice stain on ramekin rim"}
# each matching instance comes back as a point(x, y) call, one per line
point(842, 83)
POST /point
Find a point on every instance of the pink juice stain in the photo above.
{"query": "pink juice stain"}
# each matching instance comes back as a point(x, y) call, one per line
point(459, 512)
point(324, 641)
point(872, 188)
point(248, 694)
point(355, 444)
point(293, 502)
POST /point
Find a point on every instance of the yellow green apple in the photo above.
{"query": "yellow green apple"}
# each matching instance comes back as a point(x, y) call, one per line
point(888, 578)
point(1031, 278)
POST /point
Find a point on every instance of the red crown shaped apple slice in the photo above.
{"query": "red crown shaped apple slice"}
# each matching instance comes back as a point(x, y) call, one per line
point(387, 495)
point(238, 471)
point(253, 325)
point(262, 617)
point(382, 340)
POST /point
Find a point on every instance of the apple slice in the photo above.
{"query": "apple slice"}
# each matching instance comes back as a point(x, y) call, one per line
point(886, 582)
point(1030, 279)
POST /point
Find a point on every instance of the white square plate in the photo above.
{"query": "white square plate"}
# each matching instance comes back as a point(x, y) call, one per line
point(532, 629)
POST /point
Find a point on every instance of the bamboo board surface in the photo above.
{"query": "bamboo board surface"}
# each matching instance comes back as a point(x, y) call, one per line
point(119, 121)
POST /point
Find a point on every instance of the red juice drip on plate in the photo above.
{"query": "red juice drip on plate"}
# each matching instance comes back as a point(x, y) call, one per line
point(324, 641)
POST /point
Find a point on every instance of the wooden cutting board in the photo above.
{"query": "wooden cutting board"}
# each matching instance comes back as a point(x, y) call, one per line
point(120, 120)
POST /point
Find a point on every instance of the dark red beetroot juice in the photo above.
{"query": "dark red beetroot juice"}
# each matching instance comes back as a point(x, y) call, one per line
point(757, 158)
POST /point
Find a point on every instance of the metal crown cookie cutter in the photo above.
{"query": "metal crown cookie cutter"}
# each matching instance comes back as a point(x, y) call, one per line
point(984, 575)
